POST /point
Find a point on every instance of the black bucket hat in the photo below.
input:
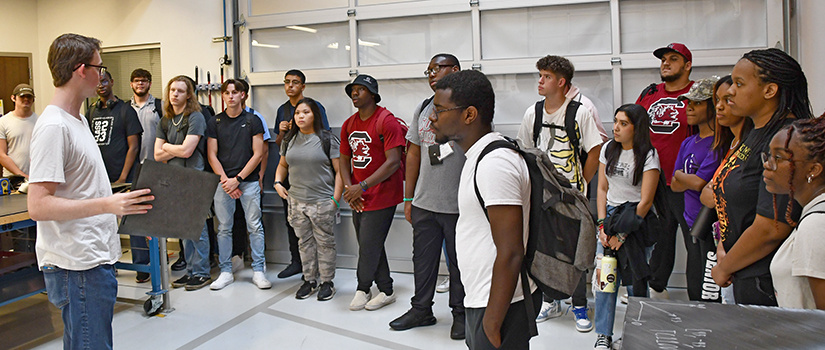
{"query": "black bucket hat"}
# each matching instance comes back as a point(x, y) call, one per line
point(365, 80)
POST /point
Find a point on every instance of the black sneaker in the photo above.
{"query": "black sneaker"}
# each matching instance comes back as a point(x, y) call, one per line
point(306, 289)
point(142, 277)
point(179, 265)
point(326, 291)
point(291, 270)
point(180, 282)
point(198, 282)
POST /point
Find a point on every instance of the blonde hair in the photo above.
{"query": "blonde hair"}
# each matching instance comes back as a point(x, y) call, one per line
point(192, 104)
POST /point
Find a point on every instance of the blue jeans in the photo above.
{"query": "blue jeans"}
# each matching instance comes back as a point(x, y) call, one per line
point(605, 312)
point(225, 210)
point(197, 254)
point(86, 300)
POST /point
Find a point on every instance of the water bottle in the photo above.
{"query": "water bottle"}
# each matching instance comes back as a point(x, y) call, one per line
point(607, 281)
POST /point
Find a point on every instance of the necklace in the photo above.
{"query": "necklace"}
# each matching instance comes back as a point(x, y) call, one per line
point(179, 121)
point(734, 144)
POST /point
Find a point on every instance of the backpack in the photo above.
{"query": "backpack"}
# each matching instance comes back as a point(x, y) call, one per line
point(649, 90)
point(159, 108)
point(561, 243)
point(383, 113)
point(326, 142)
point(570, 128)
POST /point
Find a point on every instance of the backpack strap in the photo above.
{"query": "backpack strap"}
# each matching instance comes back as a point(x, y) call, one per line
point(649, 90)
point(507, 143)
point(537, 122)
point(159, 107)
point(423, 104)
point(570, 125)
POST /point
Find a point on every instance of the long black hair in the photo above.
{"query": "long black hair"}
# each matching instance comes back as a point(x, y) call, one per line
point(316, 119)
point(776, 66)
point(641, 141)
point(723, 135)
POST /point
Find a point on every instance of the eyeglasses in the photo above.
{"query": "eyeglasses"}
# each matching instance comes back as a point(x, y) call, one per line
point(436, 69)
point(769, 161)
point(447, 110)
point(100, 69)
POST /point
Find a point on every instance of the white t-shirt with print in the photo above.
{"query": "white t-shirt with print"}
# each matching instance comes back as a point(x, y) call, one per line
point(503, 180)
point(800, 256)
point(620, 185)
point(555, 142)
point(64, 151)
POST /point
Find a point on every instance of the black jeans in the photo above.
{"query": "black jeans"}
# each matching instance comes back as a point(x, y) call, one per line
point(515, 331)
point(664, 252)
point(756, 290)
point(371, 229)
point(429, 230)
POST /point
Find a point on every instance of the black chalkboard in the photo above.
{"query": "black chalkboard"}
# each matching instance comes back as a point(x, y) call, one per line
point(667, 324)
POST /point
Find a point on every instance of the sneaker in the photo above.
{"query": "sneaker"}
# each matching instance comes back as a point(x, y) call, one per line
point(142, 277)
point(326, 291)
point(307, 289)
point(196, 283)
point(237, 263)
point(623, 298)
point(224, 279)
point(359, 301)
point(548, 311)
point(180, 264)
point(292, 269)
point(444, 286)
point(259, 279)
point(663, 295)
point(617, 345)
point(603, 342)
point(180, 282)
point(583, 323)
point(380, 300)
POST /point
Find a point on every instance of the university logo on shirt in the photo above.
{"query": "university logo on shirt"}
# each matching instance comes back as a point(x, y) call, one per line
point(664, 115)
point(102, 130)
point(359, 143)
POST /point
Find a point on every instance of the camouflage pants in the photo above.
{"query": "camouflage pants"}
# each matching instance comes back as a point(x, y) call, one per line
point(313, 224)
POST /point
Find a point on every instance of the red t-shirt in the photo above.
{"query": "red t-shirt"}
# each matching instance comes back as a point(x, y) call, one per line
point(668, 124)
point(366, 150)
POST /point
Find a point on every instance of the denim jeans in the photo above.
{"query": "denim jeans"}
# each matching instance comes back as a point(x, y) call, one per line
point(196, 254)
point(225, 210)
point(86, 300)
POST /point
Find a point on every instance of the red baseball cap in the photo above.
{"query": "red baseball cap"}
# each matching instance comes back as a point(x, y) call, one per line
point(674, 47)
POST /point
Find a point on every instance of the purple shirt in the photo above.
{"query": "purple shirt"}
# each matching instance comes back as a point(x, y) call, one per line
point(695, 157)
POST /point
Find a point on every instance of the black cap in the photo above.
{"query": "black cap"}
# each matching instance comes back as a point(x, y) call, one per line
point(365, 80)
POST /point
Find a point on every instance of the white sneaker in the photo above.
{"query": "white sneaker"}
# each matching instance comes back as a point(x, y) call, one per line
point(663, 295)
point(360, 300)
point(380, 301)
point(259, 279)
point(224, 279)
point(444, 286)
point(548, 311)
point(623, 298)
point(237, 264)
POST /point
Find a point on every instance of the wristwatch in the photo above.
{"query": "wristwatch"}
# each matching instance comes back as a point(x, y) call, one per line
point(239, 178)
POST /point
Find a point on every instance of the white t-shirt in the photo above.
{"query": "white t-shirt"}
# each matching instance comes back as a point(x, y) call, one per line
point(18, 135)
point(555, 142)
point(64, 151)
point(620, 185)
point(503, 180)
point(800, 256)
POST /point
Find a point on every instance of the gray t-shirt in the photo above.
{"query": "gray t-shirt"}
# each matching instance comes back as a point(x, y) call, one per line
point(620, 185)
point(18, 135)
point(196, 125)
point(149, 120)
point(311, 177)
point(437, 186)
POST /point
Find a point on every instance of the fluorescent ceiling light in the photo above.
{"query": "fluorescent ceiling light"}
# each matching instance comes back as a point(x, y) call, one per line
point(256, 43)
point(367, 43)
point(333, 45)
point(303, 29)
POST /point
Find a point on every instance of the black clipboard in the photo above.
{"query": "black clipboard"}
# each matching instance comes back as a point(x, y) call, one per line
point(182, 200)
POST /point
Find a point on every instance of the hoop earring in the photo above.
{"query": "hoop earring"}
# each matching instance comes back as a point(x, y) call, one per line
point(810, 177)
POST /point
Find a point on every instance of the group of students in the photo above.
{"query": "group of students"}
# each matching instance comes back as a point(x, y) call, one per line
point(699, 138)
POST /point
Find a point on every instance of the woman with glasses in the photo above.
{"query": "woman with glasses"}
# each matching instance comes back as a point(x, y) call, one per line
point(770, 88)
point(794, 166)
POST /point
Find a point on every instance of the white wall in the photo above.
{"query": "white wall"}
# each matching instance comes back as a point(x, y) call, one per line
point(19, 35)
point(812, 50)
point(183, 28)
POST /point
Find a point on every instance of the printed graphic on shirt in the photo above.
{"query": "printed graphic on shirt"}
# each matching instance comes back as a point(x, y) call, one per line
point(733, 162)
point(102, 128)
point(690, 166)
point(564, 160)
point(359, 143)
point(664, 115)
point(424, 133)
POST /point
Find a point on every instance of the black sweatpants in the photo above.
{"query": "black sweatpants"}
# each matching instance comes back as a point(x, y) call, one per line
point(664, 252)
point(371, 229)
point(515, 331)
point(701, 257)
point(756, 290)
point(430, 229)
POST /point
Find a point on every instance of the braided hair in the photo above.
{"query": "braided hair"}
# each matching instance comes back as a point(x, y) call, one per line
point(776, 66)
point(811, 136)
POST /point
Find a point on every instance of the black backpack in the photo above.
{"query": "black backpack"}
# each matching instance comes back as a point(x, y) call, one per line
point(570, 128)
point(326, 142)
point(561, 244)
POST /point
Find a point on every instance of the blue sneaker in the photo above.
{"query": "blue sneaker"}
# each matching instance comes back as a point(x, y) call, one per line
point(549, 310)
point(583, 323)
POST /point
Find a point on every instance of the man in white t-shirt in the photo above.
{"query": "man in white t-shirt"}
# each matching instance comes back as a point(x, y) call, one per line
point(16, 135)
point(555, 81)
point(489, 245)
point(71, 199)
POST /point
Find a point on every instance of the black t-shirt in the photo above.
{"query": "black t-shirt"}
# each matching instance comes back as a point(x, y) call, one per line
point(111, 126)
point(741, 194)
point(234, 137)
